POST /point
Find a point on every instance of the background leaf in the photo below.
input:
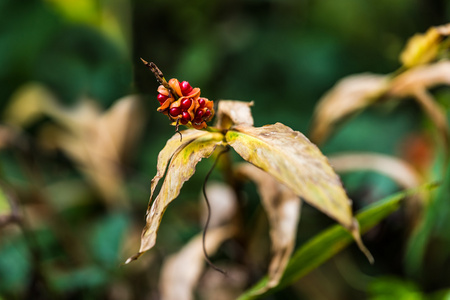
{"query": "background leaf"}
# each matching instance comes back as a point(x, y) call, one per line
point(5, 206)
point(348, 96)
point(398, 170)
point(283, 209)
point(179, 285)
point(234, 112)
point(283, 55)
point(326, 244)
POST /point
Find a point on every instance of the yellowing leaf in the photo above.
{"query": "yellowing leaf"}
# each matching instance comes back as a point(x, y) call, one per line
point(172, 146)
point(348, 96)
point(421, 48)
point(424, 48)
point(283, 210)
point(9, 211)
point(27, 104)
point(180, 169)
point(5, 207)
point(293, 160)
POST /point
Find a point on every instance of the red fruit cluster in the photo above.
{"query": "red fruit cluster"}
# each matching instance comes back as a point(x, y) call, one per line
point(183, 104)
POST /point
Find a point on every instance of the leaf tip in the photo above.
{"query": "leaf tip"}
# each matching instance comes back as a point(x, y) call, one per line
point(357, 237)
point(144, 61)
point(133, 258)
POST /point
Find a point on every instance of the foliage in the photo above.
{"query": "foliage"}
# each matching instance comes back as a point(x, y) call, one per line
point(333, 240)
point(77, 145)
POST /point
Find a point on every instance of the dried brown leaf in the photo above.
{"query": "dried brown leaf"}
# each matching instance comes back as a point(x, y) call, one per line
point(180, 169)
point(443, 30)
point(234, 113)
point(293, 160)
point(359, 91)
point(214, 285)
point(396, 169)
point(421, 77)
point(223, 202)
point(177, 284)
point(97, 141)
point(181, 271)
point(122, 125)
point(348, 96)
point(27, 104)
point(7, 136)
point(437, 115)
point(283, 209)
point(415, 82)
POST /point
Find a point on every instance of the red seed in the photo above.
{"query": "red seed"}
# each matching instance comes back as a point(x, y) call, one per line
point(185, 87)
point(201, 102)
point(186, 116)
point(161, 98)
point(175, 111)
point(183, 121)
point(207, 113)
point(198, 121)
point(199, 114)
point(186, 103)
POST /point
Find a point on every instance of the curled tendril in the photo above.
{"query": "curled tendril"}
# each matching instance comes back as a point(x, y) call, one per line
point(208, 218)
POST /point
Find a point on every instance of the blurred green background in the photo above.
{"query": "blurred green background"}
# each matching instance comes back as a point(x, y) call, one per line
point(284, 55)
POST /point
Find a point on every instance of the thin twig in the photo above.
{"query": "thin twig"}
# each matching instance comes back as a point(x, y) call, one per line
point(208, 217)
point(158, 74)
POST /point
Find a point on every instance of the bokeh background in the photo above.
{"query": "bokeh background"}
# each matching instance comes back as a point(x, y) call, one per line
point(80, 215)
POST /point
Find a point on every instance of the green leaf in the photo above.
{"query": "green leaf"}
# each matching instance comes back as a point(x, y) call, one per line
point(331, 241)
point(390, 288)
point(86, 278)
point(5, 207)
point(15, 263)
point(434, 225)
point(106, 238)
